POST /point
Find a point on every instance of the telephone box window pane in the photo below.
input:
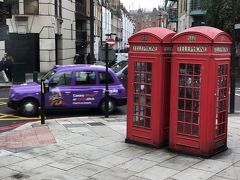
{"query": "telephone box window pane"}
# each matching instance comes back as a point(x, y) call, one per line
point(149, 78)
point(189, 81)
point(135, 120)
point(189, 93)
point(195, 106)
point(181, 104)
point(181, 92)
point(197, 69)
point(190, 69)
point(188, 105)
point(181, 81)
point(188, 117)
point(148, 100)
point(136, 99)
point(149, 67)
point(196, 93)
point(187, 128)
point(135, 109)
point(141, 121)
point(180, 127)
point(195, 130)
point(180, 115)
point(142, 66)
point(142, 78)
point(182, 69)
point(147, 122)
point(136, 77)
point(196, 81)
point(149, 89)
point(195, 118)
point(148, 112)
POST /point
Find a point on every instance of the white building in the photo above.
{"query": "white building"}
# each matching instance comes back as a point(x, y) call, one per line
point(41, 33)
point(127, 30)
point(106, 23)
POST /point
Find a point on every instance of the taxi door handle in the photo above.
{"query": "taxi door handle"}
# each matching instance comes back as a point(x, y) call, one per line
point(67, 92)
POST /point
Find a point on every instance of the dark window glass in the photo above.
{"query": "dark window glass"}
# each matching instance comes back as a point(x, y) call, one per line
point(62, 78)
point(102, 78)
point(85, 78)
point(14, 4)
point(31, 7)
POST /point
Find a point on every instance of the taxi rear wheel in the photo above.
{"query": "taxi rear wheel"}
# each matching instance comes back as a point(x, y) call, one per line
point(29, 107)
point(111, 105)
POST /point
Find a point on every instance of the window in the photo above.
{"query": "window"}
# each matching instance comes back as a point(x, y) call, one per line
point(62, 78)
point(189, 83)
point(142, 94)
point(31, 7)
point(221, 100)
point(85, 78)
point(14, 4)
point(102, 78)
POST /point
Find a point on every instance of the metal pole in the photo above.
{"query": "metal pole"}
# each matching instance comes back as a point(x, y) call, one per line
point(233, 65)
point(42, 110)
point(91, 31)
point(106, 89)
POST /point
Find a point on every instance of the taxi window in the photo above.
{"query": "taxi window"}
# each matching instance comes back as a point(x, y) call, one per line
point(102, 78)
point(85, 78)
point(62, 78)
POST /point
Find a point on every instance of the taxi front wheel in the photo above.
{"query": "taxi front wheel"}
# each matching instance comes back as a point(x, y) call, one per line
point(29, 107)
point(111, 105)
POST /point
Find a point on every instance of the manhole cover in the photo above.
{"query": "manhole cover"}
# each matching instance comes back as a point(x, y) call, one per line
point(96, 124)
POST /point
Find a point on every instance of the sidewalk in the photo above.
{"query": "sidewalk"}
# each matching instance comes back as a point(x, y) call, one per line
point(94, 148)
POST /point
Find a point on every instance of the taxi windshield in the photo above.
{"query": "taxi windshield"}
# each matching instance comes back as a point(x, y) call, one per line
point(49, 74)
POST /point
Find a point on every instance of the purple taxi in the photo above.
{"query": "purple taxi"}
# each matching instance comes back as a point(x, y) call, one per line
point(70, 87)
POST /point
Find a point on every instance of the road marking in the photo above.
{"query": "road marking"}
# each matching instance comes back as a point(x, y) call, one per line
point(2, 103)
point(12, 117)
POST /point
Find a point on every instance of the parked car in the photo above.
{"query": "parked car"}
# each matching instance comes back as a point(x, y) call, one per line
point(70, 87)
point(121, 56)
point(121, 70)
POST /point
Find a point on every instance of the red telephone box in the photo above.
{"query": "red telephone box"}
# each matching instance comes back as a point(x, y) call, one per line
point(149, 68)
point(199, 91)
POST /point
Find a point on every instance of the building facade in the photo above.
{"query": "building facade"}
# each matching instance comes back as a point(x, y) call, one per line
point(185, 14)
point(43, 33)
point(145, 19)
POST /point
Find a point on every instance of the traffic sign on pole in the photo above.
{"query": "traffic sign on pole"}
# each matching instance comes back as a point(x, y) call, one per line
point(110, 41)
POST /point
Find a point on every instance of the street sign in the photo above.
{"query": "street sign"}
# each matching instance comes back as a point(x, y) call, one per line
point(111, 54)
point(110, 41)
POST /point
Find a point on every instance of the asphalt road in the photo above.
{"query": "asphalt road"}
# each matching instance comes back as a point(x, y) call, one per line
point(16, 121)
point(9, 119)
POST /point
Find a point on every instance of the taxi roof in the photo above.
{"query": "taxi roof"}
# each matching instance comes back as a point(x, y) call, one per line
point(79, 66)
